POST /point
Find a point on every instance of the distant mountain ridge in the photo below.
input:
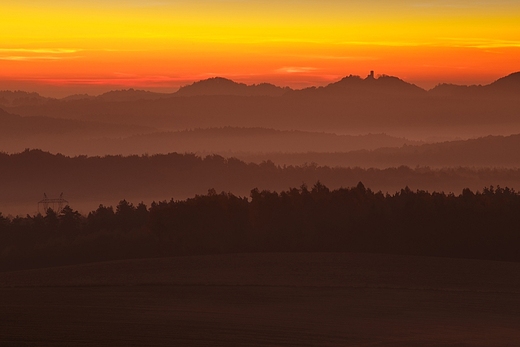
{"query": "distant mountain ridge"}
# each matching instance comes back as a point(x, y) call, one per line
point(76, 137)
point(489, 151)
point(510, 83)
point(353, 105)
point(223, 86)
point(253, 140)
point(504, 86)
point(14, 126)
point(131, 94)
point(18, 97)
point(381, 84)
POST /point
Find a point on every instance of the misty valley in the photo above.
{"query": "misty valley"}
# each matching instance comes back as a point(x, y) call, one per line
point(367, 212)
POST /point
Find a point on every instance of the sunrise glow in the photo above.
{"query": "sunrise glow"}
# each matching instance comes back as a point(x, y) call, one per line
point(95, 46)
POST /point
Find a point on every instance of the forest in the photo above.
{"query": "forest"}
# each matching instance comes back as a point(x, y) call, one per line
point(479, 225)
point(89, 181)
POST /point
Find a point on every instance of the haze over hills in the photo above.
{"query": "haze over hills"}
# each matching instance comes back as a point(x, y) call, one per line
point(230, 140)
point(130, 95)
point(353, 105)
point(14, 98)
point(71, 137)
point(224, 86)
point(210, 86)
point(16, 126)
point(79, 137)
point(489, 151)
point(505, 87)
point(382, 85)
point(90, 181)
point(58, 134)
point(160, 185)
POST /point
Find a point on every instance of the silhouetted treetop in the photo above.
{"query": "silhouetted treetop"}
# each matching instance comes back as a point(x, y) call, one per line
point(482, 225)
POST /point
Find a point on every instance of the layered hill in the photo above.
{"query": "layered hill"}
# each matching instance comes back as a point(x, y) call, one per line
point(489, 151)
point(79, 137)
point(16, 98)
point(16, 126)
point(383, 85)
point(503, 88)
point(58, 134)
point(224, 86)
point(90, 181)
point(231, 140)
point(351, 105)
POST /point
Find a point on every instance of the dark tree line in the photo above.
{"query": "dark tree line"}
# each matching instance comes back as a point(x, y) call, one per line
point(484, 225)
point(27, 175)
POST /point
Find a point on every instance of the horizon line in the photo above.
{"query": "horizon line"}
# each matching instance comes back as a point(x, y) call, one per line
point(157, 90)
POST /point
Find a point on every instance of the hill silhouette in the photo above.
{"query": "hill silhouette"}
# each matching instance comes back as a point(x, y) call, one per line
point(353, 105)
point(224, 86)
point(247, 140)
point(505, 87)
point(507, 84)
point(17, 126)
point(489, 151)
point(18, 133)
point(474, 225)
point(77, 97)
point(77, 137)
point(256, 144)
point(131, 95)
point(284, 147)
point(6, 116)
point(15, 98)
point(381, 85)
point(89, 181)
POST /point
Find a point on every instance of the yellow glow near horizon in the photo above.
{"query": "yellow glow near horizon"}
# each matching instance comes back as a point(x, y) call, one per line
point(165, 43)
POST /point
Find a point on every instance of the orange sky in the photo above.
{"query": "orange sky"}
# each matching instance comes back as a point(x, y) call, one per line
point(60, 47)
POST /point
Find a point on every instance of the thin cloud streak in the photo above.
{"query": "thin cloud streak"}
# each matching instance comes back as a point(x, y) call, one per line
point(385, 43)
point(38, 54)
point(297, 69)
point(24, 58)
point(451, 4)
point(481, 43)
point(147, 81)
point(41, 50)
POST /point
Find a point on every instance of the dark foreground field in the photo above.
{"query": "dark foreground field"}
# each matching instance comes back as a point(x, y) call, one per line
point(301, 299)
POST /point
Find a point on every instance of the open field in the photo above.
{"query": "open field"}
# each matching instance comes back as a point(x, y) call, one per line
point(282, 299)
